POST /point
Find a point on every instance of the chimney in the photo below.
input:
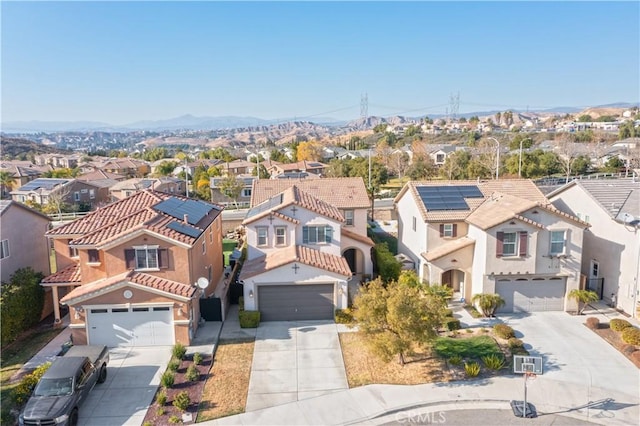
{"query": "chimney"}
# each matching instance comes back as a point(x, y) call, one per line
point(186, 218)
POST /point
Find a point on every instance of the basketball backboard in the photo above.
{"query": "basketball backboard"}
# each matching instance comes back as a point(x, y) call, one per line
point(527, 364)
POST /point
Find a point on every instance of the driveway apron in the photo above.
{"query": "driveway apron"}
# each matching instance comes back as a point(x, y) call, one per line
point(133, 376)
point(293, 361)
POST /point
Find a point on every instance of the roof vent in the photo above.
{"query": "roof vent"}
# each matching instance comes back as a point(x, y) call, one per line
point(186, 218)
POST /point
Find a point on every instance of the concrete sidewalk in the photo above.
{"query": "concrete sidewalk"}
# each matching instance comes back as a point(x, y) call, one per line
point(371, 404)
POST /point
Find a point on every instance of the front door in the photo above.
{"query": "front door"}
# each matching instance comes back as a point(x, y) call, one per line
point(595, 282)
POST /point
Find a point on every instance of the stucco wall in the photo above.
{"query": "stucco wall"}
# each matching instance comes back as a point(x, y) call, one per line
point(411, 243)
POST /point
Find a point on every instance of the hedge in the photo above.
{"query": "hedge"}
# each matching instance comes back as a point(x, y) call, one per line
point(451, 324)
point(22, 392)
point(21, 303)
point(631, 335)
point(387, 266)
point(618, 324)
point(344, 316)
point(249, 319)
point(503, 331)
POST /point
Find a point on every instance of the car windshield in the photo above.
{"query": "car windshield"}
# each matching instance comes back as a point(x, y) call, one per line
point(54, 387)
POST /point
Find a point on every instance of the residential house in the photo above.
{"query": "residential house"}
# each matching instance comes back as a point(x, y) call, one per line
point(127, 167)
point(306, 240)
point(22, 242)
point(331, 152)
point(58, 161)
point(611, 247)
point(128, 271)
point(499, 236)
point(310, 167)
point(166, 184)
point(439, 153)
point(359, 153)
point(21, 173)
point(220, 197)
point(237, 167)
point(80, 195)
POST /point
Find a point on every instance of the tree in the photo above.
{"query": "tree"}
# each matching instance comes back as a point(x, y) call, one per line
point(6, 181)
point(398, 163)
point(456, 165)
point(585, 118)
point(613, 165)
point(166, 168)
point(309, 151)
point(412, 130)
point(422, 167)
point(261, 172)
point(567, 154)
point(397, 317)
point(380, 128)
point(628, 130)
point(21, 303)
point(488, 303)
point(583, 298)
point(231, 186)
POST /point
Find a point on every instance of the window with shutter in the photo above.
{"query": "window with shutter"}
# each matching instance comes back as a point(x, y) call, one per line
point(499, 244)
point(455, 230)
point(441, 230)
point(130, 258)
point(523, 243)
point(163, 258)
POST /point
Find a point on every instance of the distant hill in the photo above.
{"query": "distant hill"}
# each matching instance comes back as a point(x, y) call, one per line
point(12, 148)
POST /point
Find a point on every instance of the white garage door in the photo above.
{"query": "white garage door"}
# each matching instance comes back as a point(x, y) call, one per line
point(538, 294)
point(135, 326)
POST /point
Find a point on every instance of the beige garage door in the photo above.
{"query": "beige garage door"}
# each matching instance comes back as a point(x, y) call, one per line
point(295, 302)
point(538, 294)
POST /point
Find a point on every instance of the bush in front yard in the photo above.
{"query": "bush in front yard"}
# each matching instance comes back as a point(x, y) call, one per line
point(618, 324)
point(249, 319)
point(179, 351)
point(515, 343)
point(161, 397)
point(343, 316)
point(448, 313)
point(593, 323)
point(503, 331)
point(173, 365)
point(192, 373)
point(167, 379)
point(21, 303)
point(23, 391)
point(451, 324)
point(197, 358)
point(519, 350)
point(631, 335)
point(182, 401)
point(472, 369)
point(493, 362)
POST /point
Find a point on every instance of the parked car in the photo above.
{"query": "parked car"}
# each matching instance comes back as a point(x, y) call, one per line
point(65, 385)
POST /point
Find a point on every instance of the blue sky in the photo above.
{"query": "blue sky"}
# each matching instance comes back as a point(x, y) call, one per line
point(120, 62)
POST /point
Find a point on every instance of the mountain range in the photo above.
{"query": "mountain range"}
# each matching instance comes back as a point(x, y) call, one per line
point(191, 122)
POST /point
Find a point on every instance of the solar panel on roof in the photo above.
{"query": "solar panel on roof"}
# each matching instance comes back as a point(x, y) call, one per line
point(470, 191)
point(184, 229)
point(177, 208)
point(265, 205)
point(450, 197)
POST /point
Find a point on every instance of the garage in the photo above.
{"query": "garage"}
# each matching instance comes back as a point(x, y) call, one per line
point(295, 302)
point(535, 295)
point(130, 326)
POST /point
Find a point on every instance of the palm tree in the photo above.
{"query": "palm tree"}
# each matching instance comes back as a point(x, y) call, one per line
point(583, 297)
point(6, 182)
point(488, 303)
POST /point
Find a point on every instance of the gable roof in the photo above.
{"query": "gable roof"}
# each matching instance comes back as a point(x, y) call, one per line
point(448, 248)
point(355, 236)
point(70, 274)
point(139, 212)
point(343, 193)
point(305, 255)
point(614, 196)
point(5, 205)
point(293, 196)
point(96, 288)
point(524, 189)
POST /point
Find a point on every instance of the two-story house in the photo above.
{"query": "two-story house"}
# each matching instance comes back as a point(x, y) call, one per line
point(311, 167)
point(128, 271)
point(218, 194)
point(499, 236)
point(83, 195)
point(611, 251)
point(306, 240)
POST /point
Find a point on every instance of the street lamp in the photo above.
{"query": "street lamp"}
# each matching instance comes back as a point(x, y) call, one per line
point(497, 155)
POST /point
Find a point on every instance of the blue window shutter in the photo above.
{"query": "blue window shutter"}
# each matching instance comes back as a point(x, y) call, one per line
point(305, 235)
point(327, 234)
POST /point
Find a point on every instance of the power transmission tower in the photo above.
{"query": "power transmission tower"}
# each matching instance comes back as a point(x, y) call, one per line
point(454, 105)
point(364, 106)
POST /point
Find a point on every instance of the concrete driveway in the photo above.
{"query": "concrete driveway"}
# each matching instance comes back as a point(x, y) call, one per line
point(294, 361)
point(133, 376)
point(573, 353)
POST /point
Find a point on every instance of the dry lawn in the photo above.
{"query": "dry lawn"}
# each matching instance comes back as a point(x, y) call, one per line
point(364, 367)
point(225, 392)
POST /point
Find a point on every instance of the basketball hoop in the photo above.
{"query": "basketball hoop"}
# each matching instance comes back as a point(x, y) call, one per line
point(530, 375)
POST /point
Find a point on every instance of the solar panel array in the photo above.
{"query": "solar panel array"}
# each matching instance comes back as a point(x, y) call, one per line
point(447, 197)
point(177, 208)
point(184, 229)
point(265, 205)
point(42, 183)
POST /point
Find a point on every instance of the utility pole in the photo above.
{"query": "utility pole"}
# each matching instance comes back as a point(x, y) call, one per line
point(186, 176)
point(520, 160)
point(497, 155)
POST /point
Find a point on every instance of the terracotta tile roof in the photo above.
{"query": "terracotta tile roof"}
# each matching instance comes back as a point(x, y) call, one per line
point(294, 195)
point(525, 189)
point(448, 248)
point(302, 254)
point(343, 193)
point(102, 286)
point(126, 216)
point(70, 274)
point(357, 237)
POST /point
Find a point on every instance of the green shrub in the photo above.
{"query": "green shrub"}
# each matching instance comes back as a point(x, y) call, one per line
point(455, 360)
point(519, 350)
point(344, 316)
point(469, 330)
point(631, 335)
point(241, 303)
point(515, 343)
point(161, 411)
point(175, 419)
point(161, 397)
point(249, 319)
point(182, 401)
point(387, 265)
point(618, 324)
point(448, 313)
point(593, 323)
point(488, 303)
point(192, 373)
point(473, 311)
point(148, 423)
point(503, 331)
point(451, 324)
point(23, 390)
point(173, 365)
point(179, 351)
point(21, 304)
point(472, 369)
point(197, 358)
point(493, 362)
point(167, 379)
